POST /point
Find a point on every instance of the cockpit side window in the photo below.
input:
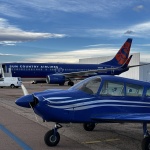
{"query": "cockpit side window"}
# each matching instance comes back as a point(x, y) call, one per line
point(134, 90)
point(91, 86)
point(148, 92)
point(112, 89)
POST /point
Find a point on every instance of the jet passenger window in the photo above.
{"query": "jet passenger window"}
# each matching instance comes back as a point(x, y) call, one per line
point(112, 89)
point(148, 92)
point(134, 90)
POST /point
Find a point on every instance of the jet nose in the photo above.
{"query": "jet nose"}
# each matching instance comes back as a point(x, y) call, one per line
point(25, 101)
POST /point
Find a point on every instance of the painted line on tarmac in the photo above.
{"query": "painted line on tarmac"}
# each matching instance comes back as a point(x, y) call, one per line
point(99, 141)
point(15, 138)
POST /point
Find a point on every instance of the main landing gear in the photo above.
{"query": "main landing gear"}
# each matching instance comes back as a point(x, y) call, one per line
point(52, 137)
point(146, 141)
point(70, 83)
point(89, 126)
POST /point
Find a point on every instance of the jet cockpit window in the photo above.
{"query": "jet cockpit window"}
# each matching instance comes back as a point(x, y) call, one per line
point(134, 90)
point(112, 89)
point(148, 92)
point(89, 86)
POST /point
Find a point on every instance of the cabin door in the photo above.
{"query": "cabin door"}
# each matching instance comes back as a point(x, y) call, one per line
point(112, 71)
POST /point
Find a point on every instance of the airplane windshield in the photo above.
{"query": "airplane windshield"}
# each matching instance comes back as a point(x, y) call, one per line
point(89, 86)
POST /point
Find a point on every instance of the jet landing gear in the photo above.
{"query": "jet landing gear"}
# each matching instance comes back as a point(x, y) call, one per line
point(52, 137)
point(89, 126)
point(146, 141)
point(70, 83)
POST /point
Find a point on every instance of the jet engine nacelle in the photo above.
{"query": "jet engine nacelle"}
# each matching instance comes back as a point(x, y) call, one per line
point(55, 79)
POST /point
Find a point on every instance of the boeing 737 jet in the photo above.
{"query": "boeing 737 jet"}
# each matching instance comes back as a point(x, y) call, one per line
point(59, 73)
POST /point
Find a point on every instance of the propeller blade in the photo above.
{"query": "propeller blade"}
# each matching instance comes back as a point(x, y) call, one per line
point(34, 113)
point(25, 92)
point(27, 100)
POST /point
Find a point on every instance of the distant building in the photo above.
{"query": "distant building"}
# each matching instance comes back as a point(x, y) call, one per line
point(139, 73)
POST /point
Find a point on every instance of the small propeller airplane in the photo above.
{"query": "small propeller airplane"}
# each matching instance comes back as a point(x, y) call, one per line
point(97, 99)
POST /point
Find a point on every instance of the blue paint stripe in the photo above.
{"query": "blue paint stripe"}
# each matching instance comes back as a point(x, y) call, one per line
point(15, 138)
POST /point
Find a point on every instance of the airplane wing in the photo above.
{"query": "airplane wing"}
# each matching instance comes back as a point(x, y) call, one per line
point(144, 117)
point(94, 72)
point(88, 72)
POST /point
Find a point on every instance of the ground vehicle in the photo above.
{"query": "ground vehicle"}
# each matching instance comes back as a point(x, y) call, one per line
point(10, 82)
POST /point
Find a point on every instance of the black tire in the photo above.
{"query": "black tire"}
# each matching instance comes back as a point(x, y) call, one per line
point(12, 86)
point(89, 126)
point(70, 83)
point(51, 138)
point(146, 143)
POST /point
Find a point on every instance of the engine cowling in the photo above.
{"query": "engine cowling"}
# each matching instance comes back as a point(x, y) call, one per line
point(55, 79)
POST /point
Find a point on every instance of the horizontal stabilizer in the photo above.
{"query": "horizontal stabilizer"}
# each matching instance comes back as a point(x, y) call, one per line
point(138, 65)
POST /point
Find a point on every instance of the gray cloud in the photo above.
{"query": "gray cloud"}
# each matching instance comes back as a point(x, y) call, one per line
point(10, 34)
point(138, 8)
point(129, 32)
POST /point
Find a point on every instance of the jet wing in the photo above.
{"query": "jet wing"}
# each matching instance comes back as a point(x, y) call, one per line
point(136, 117)
point(94, 72)
point(88, 72)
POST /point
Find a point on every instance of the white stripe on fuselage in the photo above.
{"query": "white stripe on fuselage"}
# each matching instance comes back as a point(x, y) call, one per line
point(79, 103)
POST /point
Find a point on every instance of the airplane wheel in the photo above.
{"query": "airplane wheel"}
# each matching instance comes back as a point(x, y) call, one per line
point(89, 126)
point(70, 83)
point(51, 138)
point(146, 143)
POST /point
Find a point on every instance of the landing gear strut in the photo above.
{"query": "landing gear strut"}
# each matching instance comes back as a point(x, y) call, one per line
point(146, 141)
point(52, 137)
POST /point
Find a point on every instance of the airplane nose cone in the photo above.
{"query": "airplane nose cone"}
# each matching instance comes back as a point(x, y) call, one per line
point(24, 101)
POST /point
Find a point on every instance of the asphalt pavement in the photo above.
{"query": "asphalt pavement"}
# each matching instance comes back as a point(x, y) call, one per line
point(20, 130)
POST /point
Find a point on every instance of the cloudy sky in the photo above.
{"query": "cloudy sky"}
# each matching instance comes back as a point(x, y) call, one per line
point(67, 30)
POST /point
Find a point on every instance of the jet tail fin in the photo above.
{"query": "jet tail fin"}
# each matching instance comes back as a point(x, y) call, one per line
point(122, 55)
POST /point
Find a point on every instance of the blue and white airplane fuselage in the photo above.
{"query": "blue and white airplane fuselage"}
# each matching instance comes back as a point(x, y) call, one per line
point(59, 73)
point(96, 99)
point(41, 70)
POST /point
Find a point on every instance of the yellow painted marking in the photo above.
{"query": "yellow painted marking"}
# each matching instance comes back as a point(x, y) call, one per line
point(107, 140)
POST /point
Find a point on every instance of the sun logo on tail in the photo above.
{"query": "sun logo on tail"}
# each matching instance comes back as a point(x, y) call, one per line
point(123, 53)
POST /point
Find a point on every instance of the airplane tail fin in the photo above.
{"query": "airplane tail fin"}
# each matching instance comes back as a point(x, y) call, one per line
point(122, 55)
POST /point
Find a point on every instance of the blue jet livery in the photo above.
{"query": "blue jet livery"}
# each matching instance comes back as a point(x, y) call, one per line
point(58, 73)
point(97, 99)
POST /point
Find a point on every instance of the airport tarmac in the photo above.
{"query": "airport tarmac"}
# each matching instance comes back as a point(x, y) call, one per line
point(20, 129)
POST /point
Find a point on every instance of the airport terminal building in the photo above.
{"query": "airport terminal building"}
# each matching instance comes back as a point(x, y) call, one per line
point(140, 73)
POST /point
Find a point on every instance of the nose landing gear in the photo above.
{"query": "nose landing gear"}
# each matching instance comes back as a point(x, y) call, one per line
point(52, 137)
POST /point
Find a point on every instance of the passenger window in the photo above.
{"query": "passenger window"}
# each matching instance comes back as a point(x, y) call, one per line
point(112, 89)
point(148, 92)
point(134, 90)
